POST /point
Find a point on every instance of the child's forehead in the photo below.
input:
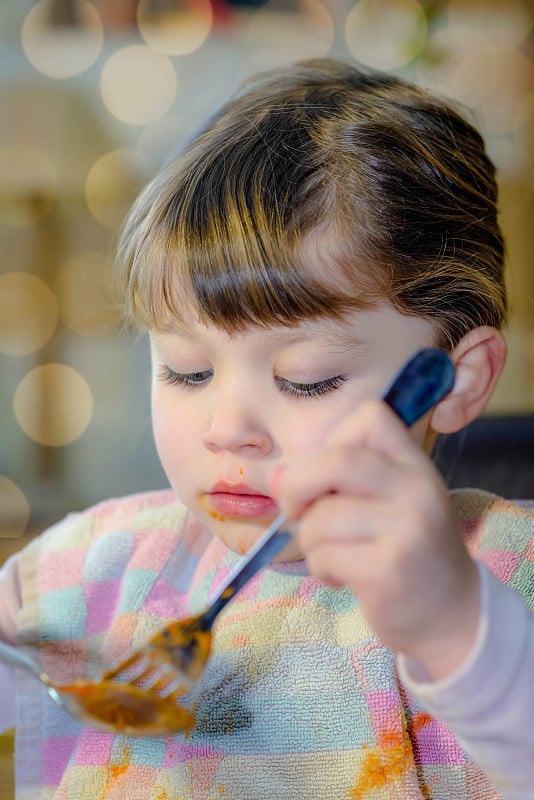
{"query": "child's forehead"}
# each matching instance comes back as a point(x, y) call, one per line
point(354, 330)
point(343, 330)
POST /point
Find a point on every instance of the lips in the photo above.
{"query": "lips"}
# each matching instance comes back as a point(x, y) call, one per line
point(240, 501)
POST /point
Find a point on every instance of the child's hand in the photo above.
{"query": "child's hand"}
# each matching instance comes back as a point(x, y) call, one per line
point(374, 514)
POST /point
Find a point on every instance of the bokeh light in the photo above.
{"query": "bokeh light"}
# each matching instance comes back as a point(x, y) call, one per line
point(493, 81)
point(14, 509)
point(138, 85)
point(111, 185)
point(447, 45)
point(53, 404)
point(386, 34)
point(275, 37)
point(507, 24)
point(28, 313)
point(62, 52)
point(83, 289)
point(178, 30)
point(477, 69)
point(29, 184)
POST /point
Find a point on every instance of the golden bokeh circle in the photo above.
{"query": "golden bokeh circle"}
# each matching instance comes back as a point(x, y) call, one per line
point(28, 313)
point(62, 51)
point(29, 184)
point(53, 404)
point(138, 85)
point(176, 31)
point(15, 509)
point(386, 34)
point(111, 186)
point(83, 290)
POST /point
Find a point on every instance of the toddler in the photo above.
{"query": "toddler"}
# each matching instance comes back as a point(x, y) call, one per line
point(328, 222)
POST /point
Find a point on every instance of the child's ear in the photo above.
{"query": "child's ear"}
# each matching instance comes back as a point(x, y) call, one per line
point(478, 358)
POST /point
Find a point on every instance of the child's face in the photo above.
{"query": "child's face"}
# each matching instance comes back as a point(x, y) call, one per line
point(227, 409)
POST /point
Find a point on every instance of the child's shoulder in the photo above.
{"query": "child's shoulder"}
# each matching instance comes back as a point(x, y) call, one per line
point(500, 533)
point(477, 504)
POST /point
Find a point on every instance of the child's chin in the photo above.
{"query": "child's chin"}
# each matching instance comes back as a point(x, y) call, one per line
point(240, 536)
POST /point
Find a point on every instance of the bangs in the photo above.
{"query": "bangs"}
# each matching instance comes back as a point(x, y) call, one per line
point(235, 264)
point(252, 225)
point(233, 293)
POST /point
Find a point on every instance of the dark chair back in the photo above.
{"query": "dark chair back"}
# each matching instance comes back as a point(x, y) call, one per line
point(495, 453)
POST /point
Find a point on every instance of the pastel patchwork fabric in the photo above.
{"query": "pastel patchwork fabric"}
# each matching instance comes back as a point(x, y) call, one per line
point(300, 700)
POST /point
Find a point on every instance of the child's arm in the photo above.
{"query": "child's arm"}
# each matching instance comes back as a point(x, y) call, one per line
point(9, 607)
point(374, 514)
point(489, 700)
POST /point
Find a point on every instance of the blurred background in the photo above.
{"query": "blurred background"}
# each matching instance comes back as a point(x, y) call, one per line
point(94, 98)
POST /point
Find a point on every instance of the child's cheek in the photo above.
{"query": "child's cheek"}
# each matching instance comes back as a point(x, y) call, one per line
point(275, 480)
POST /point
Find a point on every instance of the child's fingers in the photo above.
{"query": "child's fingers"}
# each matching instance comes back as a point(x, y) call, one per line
point(343, 536)
point(362, 456)
point(336, 565)
point(376, 426)
point(338, 518)
point(339, 469)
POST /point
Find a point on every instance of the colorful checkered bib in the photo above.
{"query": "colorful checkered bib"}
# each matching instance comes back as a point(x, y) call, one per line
point(300, 700)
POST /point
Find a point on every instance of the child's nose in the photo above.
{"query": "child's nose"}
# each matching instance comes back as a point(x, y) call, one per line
point(234, 427)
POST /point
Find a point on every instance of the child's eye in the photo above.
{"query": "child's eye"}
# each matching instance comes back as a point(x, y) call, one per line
point(168, 375)
point(310, 389)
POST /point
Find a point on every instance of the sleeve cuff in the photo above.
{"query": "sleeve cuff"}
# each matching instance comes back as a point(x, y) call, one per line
point(490, 667)
point(415, 677)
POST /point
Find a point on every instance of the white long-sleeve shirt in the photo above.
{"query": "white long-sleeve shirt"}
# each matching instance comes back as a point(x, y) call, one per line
point(489, 700)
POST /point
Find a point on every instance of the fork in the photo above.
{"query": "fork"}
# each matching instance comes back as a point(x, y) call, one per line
point(109, 706)
point(141, 695)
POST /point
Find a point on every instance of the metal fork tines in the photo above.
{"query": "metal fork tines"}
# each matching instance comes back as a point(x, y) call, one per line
point(151, 672)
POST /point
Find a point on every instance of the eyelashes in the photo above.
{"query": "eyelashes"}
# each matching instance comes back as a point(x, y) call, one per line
point(292, 388)
point(310, 389)
point(168, 375)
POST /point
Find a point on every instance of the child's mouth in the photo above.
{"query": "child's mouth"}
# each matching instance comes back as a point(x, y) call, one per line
point(241, 502)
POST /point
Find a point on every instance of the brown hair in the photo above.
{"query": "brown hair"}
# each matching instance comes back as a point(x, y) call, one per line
point(383, 185)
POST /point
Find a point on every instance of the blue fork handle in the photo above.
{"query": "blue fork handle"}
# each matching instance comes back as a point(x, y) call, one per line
point(423, 381)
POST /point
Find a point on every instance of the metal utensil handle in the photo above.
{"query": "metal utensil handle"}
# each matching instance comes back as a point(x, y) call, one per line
point(14, 656)
point(423, 381)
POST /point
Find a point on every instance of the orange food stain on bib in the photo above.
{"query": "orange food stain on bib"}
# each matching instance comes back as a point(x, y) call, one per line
point(388, 762)
point(116, 770)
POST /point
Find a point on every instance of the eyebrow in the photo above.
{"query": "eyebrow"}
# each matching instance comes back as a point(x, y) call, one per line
point(336, 341)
